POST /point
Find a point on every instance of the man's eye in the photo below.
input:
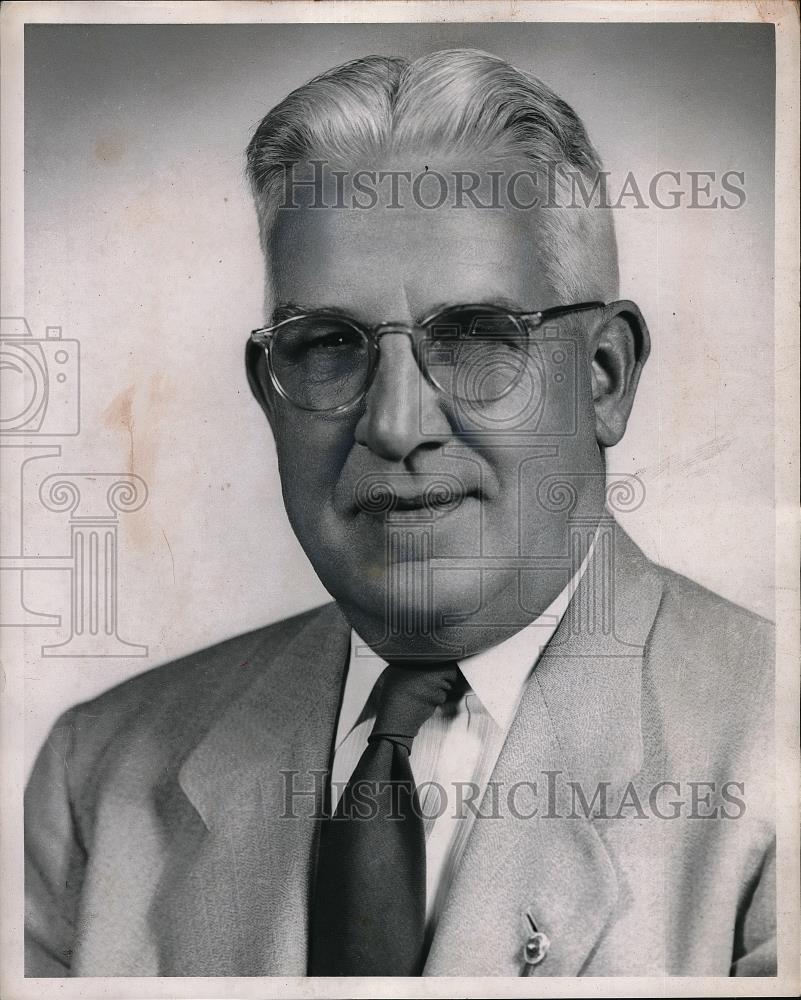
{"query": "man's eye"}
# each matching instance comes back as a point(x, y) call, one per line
point(332, 339)
point(315, 338)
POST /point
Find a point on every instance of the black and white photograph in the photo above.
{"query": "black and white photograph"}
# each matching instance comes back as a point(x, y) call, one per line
point(400, 499)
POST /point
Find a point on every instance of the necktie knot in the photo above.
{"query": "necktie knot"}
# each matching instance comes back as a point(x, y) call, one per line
point(410, 693)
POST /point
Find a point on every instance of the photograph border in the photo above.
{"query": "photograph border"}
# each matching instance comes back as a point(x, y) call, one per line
point(784, 16)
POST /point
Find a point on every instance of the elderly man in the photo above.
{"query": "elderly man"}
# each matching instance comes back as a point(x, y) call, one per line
point(513, 745)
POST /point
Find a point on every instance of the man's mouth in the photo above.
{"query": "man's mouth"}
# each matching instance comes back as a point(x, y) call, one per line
point(421, 501)
point(386, 494)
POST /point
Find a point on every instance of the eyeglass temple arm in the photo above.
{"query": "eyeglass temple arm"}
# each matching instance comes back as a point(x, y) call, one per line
point(542, 315)
point(262, 336)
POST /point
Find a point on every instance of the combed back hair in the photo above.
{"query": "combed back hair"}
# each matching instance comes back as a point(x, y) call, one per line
point(460, 102)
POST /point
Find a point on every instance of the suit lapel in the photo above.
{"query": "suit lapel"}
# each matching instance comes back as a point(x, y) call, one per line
point(578, 721)
point(237, 903)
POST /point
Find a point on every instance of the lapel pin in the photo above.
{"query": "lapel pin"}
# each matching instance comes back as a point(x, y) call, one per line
point(537, 944)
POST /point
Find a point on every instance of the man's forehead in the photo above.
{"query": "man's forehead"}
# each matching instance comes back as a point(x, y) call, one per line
point(413, 223)
point(432, 234)
point(406, 260)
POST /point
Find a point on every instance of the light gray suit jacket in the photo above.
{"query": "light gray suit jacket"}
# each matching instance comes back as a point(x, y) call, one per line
point(156, 843)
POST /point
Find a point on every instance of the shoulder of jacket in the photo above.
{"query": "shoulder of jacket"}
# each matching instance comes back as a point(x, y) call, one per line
point(710, 664)
point(182, 694)
point(699, 615)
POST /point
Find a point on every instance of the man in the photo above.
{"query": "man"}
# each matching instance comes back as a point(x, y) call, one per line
point(574, 741)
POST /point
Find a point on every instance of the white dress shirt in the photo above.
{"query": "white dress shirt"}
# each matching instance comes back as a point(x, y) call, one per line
point(460, 742)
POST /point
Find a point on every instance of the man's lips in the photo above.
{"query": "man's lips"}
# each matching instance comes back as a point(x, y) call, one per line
point(421, 501)
point(437, 493)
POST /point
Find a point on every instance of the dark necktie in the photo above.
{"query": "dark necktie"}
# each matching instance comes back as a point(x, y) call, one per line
point(368, 905)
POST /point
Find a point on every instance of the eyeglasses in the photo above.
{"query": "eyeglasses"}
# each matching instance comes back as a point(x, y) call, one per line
point(325, 362)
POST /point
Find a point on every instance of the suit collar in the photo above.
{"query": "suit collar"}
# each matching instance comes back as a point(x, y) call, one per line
point(240, 904)
point(579, 720)
point(590, 675)
point(293, 701)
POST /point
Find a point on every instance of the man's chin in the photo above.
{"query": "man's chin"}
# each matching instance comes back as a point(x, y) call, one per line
point(420, 614)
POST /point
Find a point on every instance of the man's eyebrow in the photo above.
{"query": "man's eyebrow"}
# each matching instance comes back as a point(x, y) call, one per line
point(500, 301)
point(286, 310)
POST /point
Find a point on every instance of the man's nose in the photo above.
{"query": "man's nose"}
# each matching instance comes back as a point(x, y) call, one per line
point(402, 411)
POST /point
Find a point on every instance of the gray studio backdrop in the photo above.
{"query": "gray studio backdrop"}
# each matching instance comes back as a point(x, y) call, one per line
point(141, 245)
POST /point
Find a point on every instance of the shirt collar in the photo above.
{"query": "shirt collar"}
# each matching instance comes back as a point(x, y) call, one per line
point(512, 660)
point(364, 669)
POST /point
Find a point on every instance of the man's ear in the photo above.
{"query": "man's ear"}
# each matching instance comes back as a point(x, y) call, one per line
point(618, 349)
point(259, 378)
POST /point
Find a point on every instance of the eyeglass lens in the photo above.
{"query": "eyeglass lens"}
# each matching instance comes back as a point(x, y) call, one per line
point(322, 362)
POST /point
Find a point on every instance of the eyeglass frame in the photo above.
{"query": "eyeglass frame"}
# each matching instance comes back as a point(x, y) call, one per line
point(263, 337)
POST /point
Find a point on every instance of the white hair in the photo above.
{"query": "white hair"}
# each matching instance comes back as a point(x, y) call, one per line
point(457, 101)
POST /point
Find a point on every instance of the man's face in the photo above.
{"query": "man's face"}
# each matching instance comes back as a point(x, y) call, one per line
point(496, 553)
